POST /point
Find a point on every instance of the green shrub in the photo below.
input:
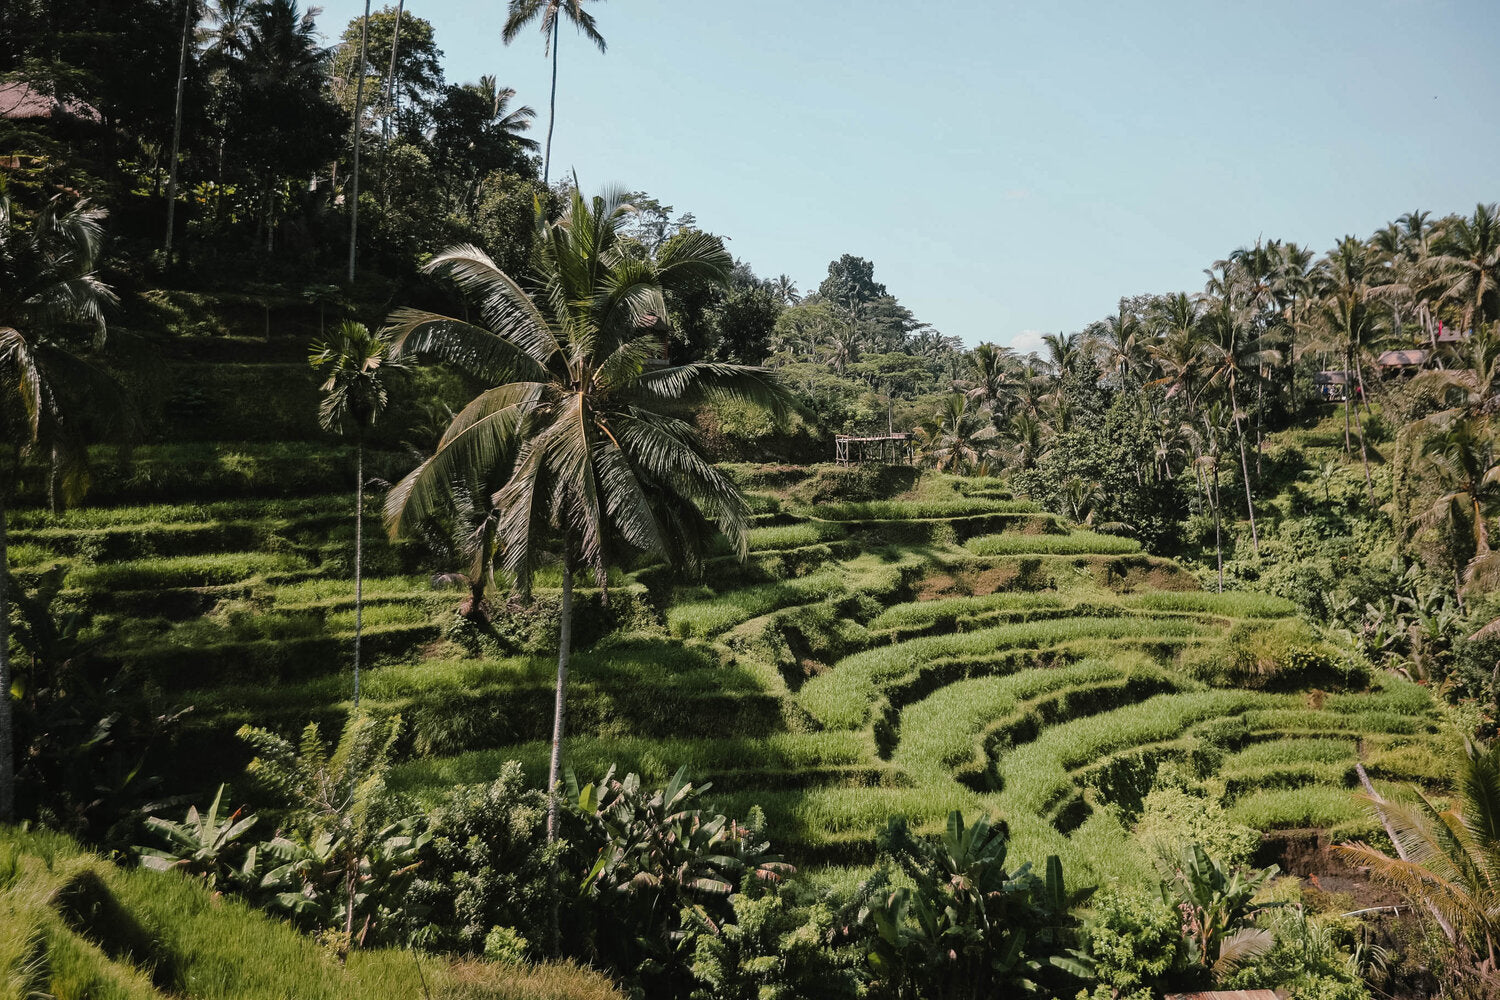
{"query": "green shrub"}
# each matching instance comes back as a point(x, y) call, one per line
point(1172, 820)
point(1281, 655)
point(1074, 543)
point(855, 483)
point(1134, 941)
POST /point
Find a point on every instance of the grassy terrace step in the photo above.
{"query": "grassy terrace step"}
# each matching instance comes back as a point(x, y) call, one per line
point(960, 728)
point(654, 760)
point(1052, 572)
point(228, 471)
point(914, 510)
point(843, 697)
point(74, 925)
point(1074, 543)
point(876, 575)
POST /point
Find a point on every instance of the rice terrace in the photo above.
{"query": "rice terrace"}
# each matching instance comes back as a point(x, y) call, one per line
point(426, 574)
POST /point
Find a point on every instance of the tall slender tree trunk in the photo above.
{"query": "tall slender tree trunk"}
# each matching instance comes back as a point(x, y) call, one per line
point(554, 771)
point(354, 135)
point(564, 648)
point(1218, 535)
point(1245, 470)
point(1348, 392)
point(1364, 458)
point(187, 30)
point(359, 555)
point(552, 110)
point(390, 107)
point(7, 715)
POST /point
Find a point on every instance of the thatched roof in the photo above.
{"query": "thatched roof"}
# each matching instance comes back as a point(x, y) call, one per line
point(20, 101)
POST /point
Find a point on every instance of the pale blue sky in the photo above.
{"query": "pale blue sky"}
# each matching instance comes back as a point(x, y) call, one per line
point(1013, 167)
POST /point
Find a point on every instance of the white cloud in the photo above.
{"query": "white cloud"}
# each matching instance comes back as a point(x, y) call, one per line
point(1026, 342)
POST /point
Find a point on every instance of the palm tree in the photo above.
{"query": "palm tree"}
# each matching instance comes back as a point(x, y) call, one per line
point(1463, 455)
point(1026, 436)
point(1064, 351)
point(1344, 319)
point(1448, 860)
point(992, 379)
point(227, 38)
point(1468, 265)
point(572, 425)
point(785, 289)
point(522, 13)
point(189, 9)
point(1178, 346)
point(49, 296)
point(957, 438)
point(354, 138)
point(356, 366)
point(1229, 357)
point(1120, 342)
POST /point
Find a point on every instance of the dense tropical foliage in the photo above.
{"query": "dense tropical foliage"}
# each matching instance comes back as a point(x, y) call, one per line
point(1069, 699)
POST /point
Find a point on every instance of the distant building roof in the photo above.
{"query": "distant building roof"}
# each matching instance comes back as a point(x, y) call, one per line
point(1449, 336)
point(1226, 995)
point(1330, 378)
point(1402, 359)
point(20, 100)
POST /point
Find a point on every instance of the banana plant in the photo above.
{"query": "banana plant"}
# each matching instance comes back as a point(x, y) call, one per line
point(206, 845)
point(968, 926)
point(1218, 909)
point(664, 866)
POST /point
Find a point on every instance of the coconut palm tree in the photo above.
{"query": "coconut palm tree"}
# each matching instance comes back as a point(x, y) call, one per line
point(572, 425)
point(52, 304)
point(1448, 860)
point(356, 366)
point(957, 439)
point(1467, 265)
point(551, 13)
point(1464, 456)
point(992, 379)
point(355, 131)
point(1231, 357)
point(1064, 351)
point(1345, 320)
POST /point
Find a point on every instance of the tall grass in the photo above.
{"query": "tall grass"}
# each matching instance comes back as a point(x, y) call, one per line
point(212, 947)
point(841, 698)
point(653, 760)
point(940, 732)
point(724, 611)
point(1232, 604)
point(905, 510)
point(183, 571)
point(949, 610)
point(1075, 543)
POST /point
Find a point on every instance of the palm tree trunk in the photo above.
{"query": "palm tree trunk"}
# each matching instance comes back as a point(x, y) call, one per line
point(1245, 469)
point(187, 31)
point(359, 555)
point(552, 110)
point(359, 101)
point(1364, 458)
point(390, 107)
point(7, 726)
point(564, 647)
point(1218, 536)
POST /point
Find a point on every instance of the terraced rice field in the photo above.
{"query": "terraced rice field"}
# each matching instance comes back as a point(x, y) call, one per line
point(908, 656)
